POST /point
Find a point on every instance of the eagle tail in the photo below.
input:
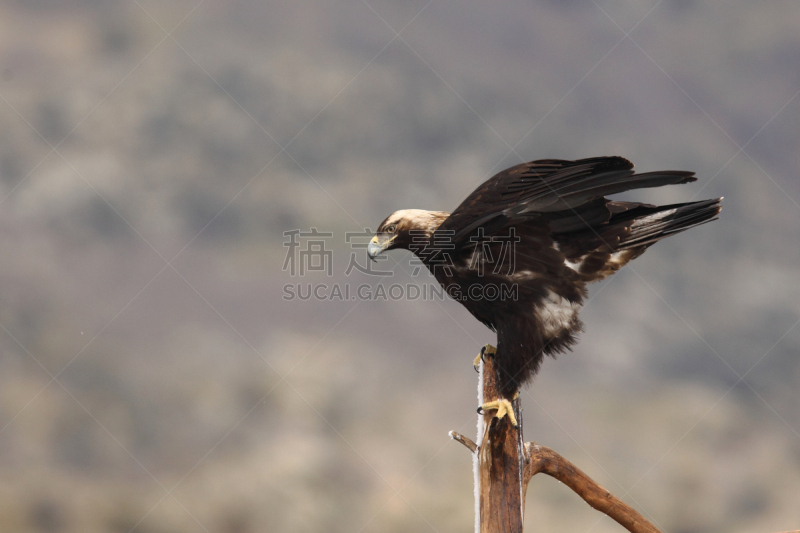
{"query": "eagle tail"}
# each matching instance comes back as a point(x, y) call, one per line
point(651, 224)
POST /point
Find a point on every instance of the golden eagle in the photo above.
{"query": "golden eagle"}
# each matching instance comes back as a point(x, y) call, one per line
point(519, 251)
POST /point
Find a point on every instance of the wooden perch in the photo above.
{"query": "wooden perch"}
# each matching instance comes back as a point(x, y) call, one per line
point(500, 453)
point(544, 460)
point(505, 466)
point(464, 440)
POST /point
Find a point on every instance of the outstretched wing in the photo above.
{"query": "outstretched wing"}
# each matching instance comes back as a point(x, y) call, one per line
point(546, 229)
point(598, 251)
point(549, 185)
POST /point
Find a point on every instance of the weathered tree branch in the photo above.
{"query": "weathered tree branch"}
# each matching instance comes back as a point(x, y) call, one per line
point(500, 456)
point(541, 459)
point(504, 467)
point(458, 437)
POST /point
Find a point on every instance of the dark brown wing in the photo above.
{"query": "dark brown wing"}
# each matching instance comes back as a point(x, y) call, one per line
point(598, 251)
point(565, 234)
point(549, 185)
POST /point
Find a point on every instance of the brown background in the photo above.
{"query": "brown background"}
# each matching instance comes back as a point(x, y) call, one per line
point(152, 154)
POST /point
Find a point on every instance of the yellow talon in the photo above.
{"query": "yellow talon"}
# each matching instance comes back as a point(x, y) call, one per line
point(503, 408)
point(486, 350)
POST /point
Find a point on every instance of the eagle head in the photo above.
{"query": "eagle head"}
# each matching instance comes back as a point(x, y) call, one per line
point(405, 229)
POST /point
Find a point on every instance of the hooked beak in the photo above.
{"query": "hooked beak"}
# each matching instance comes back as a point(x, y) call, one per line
point(378, 244)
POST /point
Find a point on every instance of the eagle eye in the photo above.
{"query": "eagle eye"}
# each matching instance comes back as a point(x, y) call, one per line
point(390, 229)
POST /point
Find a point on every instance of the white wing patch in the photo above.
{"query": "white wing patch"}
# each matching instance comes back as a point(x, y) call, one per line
point(573, 265)
point(618, 259)
point(576, 266)
point(557, 314)
point(653, 218)
point(524, 275)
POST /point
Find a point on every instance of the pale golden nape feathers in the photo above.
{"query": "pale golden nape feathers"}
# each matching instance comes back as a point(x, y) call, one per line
point(416, 220)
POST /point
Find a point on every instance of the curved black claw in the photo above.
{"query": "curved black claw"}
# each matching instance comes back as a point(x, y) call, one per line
point(486, 350)
point(503, 408)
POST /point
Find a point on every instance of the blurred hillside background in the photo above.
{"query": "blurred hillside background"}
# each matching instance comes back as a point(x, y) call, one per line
point(153, 378)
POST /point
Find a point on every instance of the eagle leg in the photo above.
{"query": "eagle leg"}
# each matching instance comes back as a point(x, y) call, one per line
point(486, 350)
point(503, 407)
